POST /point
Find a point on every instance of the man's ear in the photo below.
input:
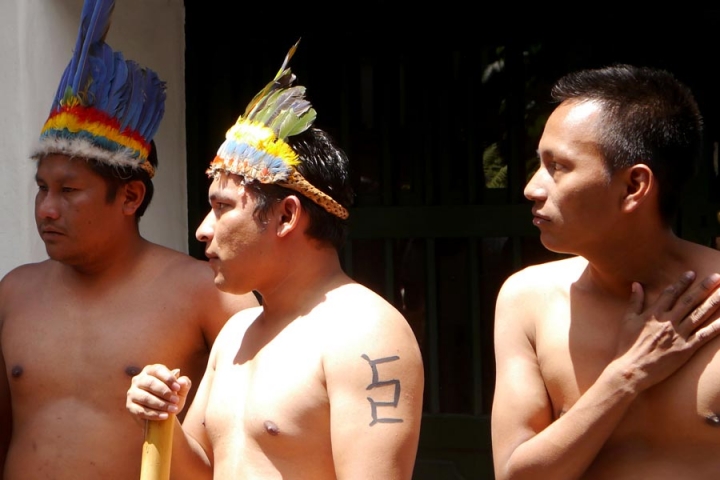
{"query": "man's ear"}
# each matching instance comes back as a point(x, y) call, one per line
point(639, 184)
point(134, 194)
point(289, 212)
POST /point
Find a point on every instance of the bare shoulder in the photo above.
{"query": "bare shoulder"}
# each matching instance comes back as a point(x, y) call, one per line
point(703, 259)
point(355, 305)
point(372, 366)
point(542, 278)
point(24, 278)
point(181, 266)
point(191, 281)
point(234, 329)
point(19, 287)
point(357, 321)
point(527, 296)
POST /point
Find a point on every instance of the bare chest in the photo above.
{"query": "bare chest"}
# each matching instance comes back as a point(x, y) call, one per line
point(574, 348)
point(275, 402)
point(71, 348)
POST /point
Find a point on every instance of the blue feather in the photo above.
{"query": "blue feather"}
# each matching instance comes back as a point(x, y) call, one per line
point(135, 99)
point(94, 24)
point(154, 89)
point(102, 74)
point(62, 87)
point(118, 95)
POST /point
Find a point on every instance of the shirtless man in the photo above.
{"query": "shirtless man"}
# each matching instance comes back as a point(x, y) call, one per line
point(325, 380)
point(76, 327)
point(604, 372)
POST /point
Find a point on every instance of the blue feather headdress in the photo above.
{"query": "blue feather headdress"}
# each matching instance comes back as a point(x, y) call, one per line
point(106, 108)
point(255, 146)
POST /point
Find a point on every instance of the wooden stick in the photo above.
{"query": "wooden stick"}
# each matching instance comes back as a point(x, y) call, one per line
point(157, 447)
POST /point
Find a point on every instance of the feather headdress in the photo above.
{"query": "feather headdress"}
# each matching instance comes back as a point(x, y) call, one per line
point(106, 108)
point(255, 146)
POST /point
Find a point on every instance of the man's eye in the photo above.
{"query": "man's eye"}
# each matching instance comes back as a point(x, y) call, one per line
point(68, 189)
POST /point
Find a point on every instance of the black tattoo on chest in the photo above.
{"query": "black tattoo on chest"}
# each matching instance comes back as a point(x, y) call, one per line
point(377, 407)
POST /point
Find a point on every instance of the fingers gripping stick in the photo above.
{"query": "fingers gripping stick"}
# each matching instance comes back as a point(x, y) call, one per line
point(157, 448)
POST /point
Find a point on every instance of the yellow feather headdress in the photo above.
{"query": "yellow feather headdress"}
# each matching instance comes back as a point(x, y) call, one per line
point(255, 146)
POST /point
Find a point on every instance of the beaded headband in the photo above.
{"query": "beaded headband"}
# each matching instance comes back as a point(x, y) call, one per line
point(256, 148)
point(106, 108)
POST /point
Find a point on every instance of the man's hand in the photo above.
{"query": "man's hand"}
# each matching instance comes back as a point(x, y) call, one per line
point(156, 392)
point(657, 341)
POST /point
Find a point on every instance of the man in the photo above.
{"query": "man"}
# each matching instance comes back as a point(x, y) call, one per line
point(603, 372)
point(325, 380)
point(76, 327)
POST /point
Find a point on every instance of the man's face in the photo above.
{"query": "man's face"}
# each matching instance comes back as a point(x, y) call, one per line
point(235, 241)
point(576, 198)
point(72, 214)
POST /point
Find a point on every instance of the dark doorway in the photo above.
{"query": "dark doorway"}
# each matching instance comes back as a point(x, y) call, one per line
point(440, 118)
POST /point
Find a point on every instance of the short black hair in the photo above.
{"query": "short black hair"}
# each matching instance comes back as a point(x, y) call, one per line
point(116, 176)
point(648, 117)
point(326, 167)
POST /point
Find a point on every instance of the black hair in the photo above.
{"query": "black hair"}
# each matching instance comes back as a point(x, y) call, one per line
point(649, 117)
point(326, 167)
point(116, 176)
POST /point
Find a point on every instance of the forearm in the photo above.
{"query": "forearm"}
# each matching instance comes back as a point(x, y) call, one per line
point(567, 447)
point(189, 461)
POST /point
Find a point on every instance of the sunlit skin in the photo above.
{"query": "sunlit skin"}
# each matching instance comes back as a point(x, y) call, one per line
point(75, 328)
point(287, 392)
point(575, 196)
point(234, 238)
point(586, 384)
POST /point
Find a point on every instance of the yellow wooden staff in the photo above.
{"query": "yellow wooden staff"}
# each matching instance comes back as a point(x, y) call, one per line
point(157, 448)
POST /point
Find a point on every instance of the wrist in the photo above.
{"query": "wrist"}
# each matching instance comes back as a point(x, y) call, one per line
point(625, 380)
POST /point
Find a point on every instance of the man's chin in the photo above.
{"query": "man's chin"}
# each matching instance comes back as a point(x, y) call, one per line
point(226, 287)
point(56, 254)
point(556, 247)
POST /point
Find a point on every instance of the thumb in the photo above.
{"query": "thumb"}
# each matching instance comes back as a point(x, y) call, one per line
point(185, 386)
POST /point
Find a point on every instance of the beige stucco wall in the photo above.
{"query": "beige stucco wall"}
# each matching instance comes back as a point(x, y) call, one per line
point(36, 41)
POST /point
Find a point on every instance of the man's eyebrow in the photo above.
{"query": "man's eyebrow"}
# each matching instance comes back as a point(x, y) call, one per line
point(545, 152)
point(215, 196)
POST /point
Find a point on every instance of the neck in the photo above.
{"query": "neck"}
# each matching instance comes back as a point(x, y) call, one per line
point(303, 284)
point(116, 259)
point(654, 257)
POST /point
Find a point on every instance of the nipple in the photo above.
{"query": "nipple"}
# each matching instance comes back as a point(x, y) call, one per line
point(713, 420)
point(271, 428)
point(16, 371)
point(132, 370)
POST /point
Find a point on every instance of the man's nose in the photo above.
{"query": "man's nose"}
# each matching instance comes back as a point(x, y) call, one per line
point(535, 189)
point(47, 205)
point(205, 231)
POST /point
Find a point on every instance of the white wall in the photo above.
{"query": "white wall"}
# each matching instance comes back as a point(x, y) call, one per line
point(36, 41)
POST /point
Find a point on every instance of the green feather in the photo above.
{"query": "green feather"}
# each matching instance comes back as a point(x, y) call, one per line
point(282, 106)
point(295, 125)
